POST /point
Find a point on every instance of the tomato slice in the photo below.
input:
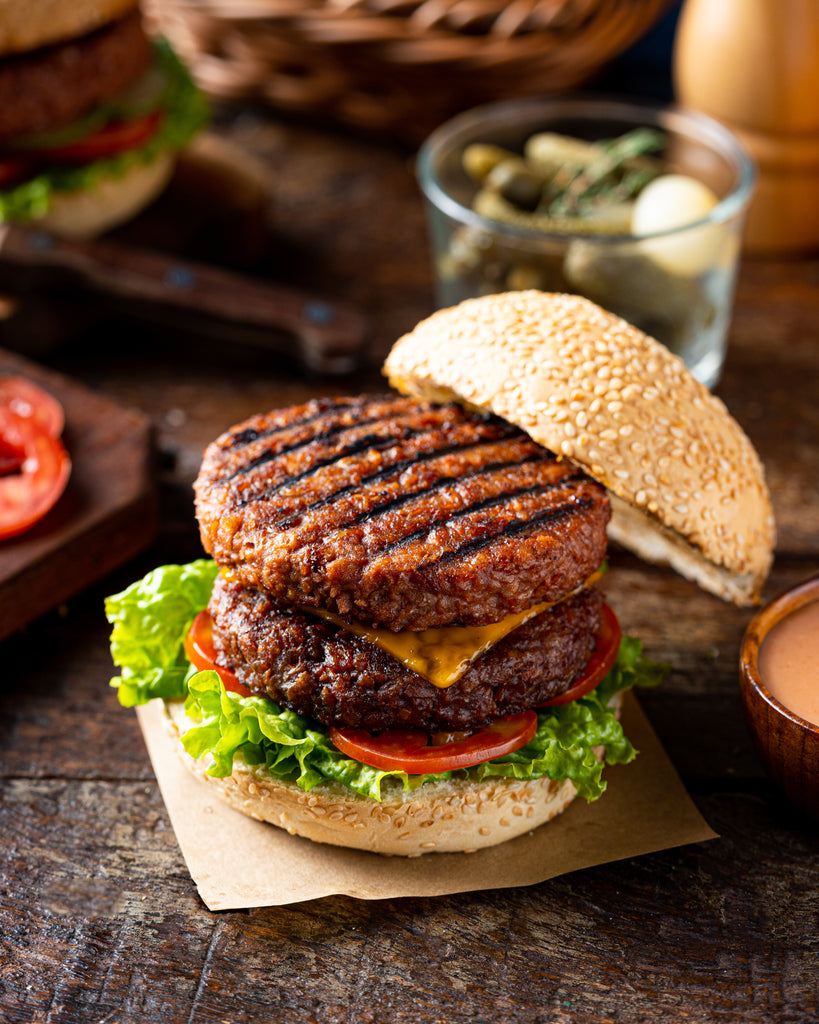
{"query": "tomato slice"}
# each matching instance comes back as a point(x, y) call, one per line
point(112, 138)
point(29, 401)
point(599, 664)
point(407, 750)
point(27, 494)
point(202, 654)
point(11, 458)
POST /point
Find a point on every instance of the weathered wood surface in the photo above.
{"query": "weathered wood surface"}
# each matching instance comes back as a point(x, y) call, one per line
point(99, 920)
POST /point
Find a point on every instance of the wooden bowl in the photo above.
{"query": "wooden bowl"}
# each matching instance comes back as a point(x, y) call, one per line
point(787, 744)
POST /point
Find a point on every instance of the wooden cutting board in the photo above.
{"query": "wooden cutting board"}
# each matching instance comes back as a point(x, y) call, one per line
point(106, 515)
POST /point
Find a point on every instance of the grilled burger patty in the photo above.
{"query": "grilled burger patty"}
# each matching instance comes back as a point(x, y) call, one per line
point(339, 678)
point(51, 87)
point(398, 513)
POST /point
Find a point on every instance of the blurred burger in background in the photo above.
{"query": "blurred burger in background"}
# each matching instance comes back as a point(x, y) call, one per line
point(92, 114)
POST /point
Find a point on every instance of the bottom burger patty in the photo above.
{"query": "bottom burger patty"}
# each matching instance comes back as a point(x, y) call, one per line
point(336, 677)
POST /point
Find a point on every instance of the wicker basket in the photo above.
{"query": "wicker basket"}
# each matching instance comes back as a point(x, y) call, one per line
point(400, 66)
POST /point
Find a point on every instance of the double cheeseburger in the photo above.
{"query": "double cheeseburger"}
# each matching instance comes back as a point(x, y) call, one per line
point(399, 643)
point(92, 114)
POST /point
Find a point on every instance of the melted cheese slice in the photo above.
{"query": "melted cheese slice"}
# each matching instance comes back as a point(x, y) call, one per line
point(443, 654)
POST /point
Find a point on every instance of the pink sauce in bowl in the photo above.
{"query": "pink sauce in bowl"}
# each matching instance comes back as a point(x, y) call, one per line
point(789, 662)
point(779, 680)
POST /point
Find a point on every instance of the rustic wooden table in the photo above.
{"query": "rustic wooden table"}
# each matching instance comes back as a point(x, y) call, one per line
point(99, 920)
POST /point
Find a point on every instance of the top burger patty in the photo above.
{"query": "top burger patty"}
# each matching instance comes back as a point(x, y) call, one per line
point(398, 513)
point(52, 87)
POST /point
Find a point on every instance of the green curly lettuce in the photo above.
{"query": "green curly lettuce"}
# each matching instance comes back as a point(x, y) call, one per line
point(151, 618)
point(185, 113)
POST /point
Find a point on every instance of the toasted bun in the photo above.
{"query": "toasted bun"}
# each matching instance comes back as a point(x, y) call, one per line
point(88, 213)
point(687, 486)
point(35, 23)
point(452, 816)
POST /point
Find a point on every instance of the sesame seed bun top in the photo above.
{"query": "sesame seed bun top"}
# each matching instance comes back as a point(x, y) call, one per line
point(35, 23)
point(686, 485)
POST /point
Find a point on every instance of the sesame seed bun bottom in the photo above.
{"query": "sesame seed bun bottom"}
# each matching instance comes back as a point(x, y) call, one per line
point(451, 816)
point(85, 214)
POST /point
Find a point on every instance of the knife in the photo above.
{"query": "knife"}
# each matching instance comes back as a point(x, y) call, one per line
point(329, 335)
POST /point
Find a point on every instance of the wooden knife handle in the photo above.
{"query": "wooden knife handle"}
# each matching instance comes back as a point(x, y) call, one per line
point(330, 334)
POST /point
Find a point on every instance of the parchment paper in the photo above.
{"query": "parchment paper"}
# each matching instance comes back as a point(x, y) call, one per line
point(237, 862)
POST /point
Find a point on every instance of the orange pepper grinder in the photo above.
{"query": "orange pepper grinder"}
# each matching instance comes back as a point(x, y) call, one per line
point(754, 66)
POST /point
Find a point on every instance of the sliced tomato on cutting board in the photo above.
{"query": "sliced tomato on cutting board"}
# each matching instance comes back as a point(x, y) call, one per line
point(32, 488)
point(31, 402)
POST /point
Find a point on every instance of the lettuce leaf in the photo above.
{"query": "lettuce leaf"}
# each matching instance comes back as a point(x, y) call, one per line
point(151, 617)
point(150, 620)
point(186, 113)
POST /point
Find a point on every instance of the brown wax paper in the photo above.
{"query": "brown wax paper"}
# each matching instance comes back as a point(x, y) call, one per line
point(645, 808)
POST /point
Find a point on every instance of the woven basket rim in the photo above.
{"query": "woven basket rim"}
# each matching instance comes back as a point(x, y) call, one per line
point(416, 59)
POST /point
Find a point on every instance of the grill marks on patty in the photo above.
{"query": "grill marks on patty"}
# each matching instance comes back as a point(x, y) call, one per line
point(518, 496)
point(277, 455)
point(398, 513)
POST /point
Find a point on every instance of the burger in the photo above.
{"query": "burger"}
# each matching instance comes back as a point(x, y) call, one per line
point(92, 114)
point(399, 641)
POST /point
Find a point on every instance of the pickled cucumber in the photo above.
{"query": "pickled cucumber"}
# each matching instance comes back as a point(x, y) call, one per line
point(636, 288)
point(563, 208)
